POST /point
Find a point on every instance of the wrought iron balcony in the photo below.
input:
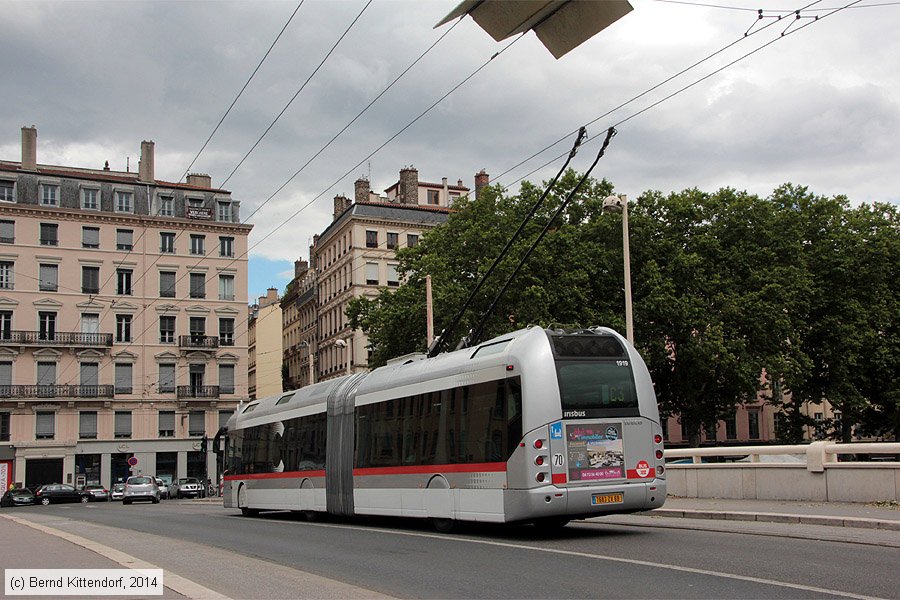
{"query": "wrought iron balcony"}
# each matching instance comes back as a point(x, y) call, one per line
point(56, 391)
point(198, 341)
point(198, 391)
point(56, 338)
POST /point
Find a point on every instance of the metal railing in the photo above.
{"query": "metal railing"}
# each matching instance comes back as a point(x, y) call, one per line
point(56, 338)
point(56, 391)
point(818, 455)
point(198, 391)
point(198, 341)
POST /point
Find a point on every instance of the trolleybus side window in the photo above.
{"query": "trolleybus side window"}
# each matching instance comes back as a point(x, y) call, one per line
point(467, 424)
point(296, 445)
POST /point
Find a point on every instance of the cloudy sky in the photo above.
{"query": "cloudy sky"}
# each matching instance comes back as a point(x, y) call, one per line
point(817, 107)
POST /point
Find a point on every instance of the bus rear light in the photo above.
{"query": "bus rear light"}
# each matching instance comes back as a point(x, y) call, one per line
point(657, 438)
point(659, 454)
point(509, 367)
point(538, 444)
point(539, 460)
point(540, 477)
point(660, 469)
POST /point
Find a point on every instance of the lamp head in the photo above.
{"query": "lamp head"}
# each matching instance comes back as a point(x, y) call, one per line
point(613, 204)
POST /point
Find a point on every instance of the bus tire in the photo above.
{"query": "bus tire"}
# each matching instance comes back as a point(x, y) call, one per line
point(444, 525)
point(249, 512)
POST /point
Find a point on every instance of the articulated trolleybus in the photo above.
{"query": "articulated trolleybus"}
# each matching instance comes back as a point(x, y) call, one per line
point(538, 425)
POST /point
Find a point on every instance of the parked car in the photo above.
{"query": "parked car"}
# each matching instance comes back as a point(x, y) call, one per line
point(60, 492)
point(141, 487)
point(98, 493)
point(163, 488)
point(17, 497)
point(117, 492)
point(188, 487)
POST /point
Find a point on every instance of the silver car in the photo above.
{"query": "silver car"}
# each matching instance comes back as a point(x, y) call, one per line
point(141, 487)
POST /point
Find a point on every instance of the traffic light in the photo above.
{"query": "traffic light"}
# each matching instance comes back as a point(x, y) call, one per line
point(203, 444)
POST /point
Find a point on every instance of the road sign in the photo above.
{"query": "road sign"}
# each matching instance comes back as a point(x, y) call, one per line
point(133, 461)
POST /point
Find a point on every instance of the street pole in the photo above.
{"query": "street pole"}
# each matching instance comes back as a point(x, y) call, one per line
point(429, 313)
point(629, 317)
point(312, 371)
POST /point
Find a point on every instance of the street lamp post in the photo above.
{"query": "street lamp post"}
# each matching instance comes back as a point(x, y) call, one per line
point(615, 204)
point(345, 343)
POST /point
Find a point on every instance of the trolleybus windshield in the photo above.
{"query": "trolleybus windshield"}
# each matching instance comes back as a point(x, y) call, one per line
point(595, 377)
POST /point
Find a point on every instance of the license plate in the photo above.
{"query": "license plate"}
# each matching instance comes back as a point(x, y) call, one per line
point(616, 498)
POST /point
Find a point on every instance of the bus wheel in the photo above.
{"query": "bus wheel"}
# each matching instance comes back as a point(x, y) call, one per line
point(249, 512)
point(444, 525)
point(551, 523)
point(242, 503)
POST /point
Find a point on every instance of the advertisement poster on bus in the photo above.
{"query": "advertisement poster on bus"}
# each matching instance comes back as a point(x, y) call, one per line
point(596, 452)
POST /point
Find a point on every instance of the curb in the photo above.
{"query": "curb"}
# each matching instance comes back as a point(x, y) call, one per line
point(857, 522)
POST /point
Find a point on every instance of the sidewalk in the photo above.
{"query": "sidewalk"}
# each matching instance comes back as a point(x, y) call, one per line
point(833, 514)
point(27, 547)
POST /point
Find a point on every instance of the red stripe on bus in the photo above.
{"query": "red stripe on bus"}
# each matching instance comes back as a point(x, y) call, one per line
point(559, 478)
point(286, 475)
point(422, 469)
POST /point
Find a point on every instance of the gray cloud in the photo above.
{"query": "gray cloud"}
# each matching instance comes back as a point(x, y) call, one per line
point(98, 77)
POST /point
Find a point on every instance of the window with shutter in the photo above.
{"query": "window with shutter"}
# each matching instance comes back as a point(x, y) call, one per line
point(87, 425)
point(90, 375)
point(123, 378)
point(226, 379)
point(196, 423)
point(166, 378)
point(5, 379)
point(48, 278)
point(167, 423)
point(45, 425)
point(46, 373)
point(372, 273)
point(7, 232)
point(123, 424)
point(90, 280)
point(124, 239)
point(90, 237)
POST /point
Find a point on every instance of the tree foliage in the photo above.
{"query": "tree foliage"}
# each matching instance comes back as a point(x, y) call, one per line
point(732, 293)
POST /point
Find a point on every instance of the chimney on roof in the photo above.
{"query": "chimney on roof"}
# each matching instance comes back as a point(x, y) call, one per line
point(29, 148)
point(146, 167)
point(445, 198)
point(199, 180)
point(341, 203)
point(482, 180)
point(408, 188)
point(361, 190)
point(300, 268)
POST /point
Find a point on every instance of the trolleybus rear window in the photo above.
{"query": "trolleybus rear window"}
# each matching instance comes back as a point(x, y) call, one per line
point(596, 389)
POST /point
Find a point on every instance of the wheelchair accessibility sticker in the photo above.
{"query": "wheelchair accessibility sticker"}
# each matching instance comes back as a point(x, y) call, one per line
point(556, 431)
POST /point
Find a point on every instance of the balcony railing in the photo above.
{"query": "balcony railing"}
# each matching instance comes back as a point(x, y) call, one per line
point(198, 391)
point(57, 338)
point(56, 391)
point(198, 341)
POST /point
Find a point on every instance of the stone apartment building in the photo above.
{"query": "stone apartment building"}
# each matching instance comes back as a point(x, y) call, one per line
point(123, 340)
point(264, 346)
point(355, 256)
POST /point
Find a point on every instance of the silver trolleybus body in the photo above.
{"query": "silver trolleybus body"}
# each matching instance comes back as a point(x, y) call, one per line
point(537, 425)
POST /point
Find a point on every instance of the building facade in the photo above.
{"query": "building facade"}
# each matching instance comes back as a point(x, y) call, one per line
point(123, 339)
point(356, 256)
point(264, 351)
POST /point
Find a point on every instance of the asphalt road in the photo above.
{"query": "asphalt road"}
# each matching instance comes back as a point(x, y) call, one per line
point(406, 559)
